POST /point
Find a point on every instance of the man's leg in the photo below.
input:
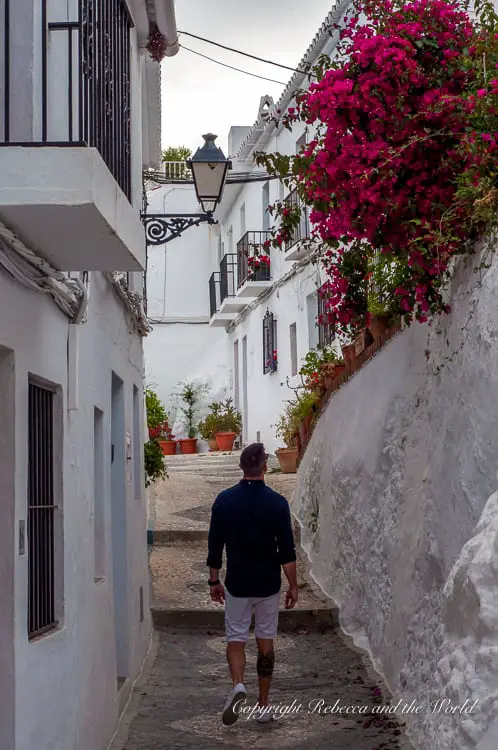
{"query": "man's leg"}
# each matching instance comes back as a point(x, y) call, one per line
point(236, 658)
point(266, 616)
point(237, 623)
point(265, 665)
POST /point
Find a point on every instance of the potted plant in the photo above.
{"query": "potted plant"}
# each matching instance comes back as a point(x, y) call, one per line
point(156, 413)
point(190, 395)
point(228, 425)
point(166, 439)
point(207, 428)
point(286, 429)
point(153, 462)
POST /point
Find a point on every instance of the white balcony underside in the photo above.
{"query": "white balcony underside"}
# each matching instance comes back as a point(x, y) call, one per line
point(221, 320)
point(233, 304)
point(65, 205)
point(298, 251)
point(253, 288)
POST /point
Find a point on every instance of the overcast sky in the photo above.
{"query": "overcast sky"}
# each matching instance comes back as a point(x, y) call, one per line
point(200, 96)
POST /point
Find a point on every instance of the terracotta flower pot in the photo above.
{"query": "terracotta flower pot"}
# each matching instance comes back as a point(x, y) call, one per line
point(225, 440)
point(188, 445)
point(339, 369)
point(168, 447)
point(378, 325)
point(287, 458)
point(213, 444)
point(348, 351)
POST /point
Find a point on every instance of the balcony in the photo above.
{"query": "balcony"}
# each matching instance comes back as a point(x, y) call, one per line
point(252, 280)
point(217, 318)
point(225, 304)
point(65, 143)
point(229, 302)
point(295, 248)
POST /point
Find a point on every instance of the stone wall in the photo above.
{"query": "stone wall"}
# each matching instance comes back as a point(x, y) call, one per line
point(394, 480)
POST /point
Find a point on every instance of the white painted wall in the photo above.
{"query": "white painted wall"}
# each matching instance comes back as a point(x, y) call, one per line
point(399, 470)
point(178, 299)
point(66, 695)
point(190, 261)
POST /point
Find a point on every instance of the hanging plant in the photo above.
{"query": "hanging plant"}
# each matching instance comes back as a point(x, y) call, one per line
point(156, 44)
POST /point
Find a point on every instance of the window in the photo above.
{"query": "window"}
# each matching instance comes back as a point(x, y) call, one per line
point(98, 494)
point(41, 511)
point(311, 309)
point(266, 203)
point(301, 141)
point(270, 361)
point(242, 219)
point(221, 249)
point(293, 348)
point(326, 333)
point(138, 439)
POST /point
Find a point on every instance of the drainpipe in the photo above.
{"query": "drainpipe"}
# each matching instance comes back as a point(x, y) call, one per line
point(166, 22)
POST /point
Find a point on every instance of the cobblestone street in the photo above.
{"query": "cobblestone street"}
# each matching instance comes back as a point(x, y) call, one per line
point(177, 702)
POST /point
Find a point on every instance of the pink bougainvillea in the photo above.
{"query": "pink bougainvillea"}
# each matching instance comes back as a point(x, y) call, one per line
point(393, 116)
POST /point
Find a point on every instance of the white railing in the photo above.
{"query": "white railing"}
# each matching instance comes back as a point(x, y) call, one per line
point(175, 170)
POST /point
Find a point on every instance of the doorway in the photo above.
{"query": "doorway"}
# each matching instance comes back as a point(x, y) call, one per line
point(245, 406)
point(7, 534)
point(119, 527)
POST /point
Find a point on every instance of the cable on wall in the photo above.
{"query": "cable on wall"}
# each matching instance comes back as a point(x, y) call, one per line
point(132, 301)
point(37, 274)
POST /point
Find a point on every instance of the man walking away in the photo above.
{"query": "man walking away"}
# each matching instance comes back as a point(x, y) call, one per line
point(254, 524)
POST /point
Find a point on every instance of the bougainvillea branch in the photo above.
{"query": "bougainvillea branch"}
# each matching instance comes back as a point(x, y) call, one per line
point(401, 174)
point(156, 44)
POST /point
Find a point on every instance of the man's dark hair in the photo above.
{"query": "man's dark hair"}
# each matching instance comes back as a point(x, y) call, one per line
point(253, 459)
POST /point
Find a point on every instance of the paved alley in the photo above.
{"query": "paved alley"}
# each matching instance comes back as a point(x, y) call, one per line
point(178, 701)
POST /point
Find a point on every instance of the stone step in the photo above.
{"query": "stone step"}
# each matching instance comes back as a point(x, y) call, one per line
point(196, 457)
point(166, 537)
point(210, 468)
point(213, 619)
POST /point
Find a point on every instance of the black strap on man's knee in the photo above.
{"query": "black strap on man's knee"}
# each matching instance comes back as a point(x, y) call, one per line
point(265, 664)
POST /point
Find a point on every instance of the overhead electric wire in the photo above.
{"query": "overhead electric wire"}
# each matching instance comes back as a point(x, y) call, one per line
point(239, 70)
point(246, 54)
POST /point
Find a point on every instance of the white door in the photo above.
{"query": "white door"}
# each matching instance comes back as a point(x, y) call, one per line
point(245, 408)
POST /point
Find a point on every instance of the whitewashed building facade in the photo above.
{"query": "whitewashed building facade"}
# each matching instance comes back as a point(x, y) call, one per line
point(232, 346)
point(79, 120)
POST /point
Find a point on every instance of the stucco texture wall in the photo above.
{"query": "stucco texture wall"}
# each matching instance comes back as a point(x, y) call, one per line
point(391, 487)
point(68, 677)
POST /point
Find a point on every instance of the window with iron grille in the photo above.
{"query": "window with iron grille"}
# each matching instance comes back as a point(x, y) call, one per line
point(270, 359)
point(326, 334)
point(41, 511)
point(293, 348)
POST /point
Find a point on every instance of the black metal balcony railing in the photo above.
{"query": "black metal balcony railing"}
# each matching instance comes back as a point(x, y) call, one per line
point(228, 267)
point(214, 293)
point(85, 94)
point(301, 231)
point(326, 332)
point(249, 246)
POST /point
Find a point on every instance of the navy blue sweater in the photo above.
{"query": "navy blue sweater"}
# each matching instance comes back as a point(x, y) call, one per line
point(254, 524)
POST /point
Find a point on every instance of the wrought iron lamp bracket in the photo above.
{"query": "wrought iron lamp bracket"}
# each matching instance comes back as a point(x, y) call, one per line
point(162, 228)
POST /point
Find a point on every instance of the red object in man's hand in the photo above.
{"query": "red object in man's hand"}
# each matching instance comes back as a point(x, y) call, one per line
point(218, 593)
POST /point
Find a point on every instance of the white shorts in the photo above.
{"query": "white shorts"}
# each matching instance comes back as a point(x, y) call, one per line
point(238, 616)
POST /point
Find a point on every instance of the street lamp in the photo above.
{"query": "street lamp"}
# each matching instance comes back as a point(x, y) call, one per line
point(209, 170)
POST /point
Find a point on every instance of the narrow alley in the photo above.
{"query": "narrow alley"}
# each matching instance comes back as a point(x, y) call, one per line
point(177, 701)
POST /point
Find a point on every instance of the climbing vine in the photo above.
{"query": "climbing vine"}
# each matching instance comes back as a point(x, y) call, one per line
point(400, 176)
